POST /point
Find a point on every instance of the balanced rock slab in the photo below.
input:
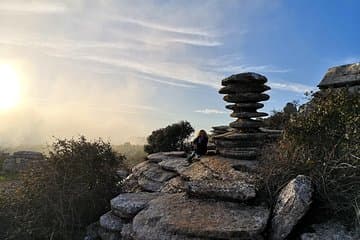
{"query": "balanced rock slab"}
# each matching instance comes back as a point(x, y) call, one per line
point(292, 204)
point(127, 205)
point(175, 217)
point(213, 177)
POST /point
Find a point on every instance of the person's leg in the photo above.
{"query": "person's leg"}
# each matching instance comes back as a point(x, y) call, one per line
point(191, 156)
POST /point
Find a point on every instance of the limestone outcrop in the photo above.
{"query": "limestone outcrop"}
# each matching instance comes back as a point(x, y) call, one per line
point(207, 199)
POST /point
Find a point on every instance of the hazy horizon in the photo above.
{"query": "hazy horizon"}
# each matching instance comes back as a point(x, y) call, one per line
point(120, 69)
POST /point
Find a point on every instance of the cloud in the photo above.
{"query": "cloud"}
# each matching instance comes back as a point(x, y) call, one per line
point(33, 7)
point(291, 87)
point(210, 111)
point(162, 27)
point(196, 42)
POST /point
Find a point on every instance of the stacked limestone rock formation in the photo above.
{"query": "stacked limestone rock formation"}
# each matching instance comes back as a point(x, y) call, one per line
point(244, 91)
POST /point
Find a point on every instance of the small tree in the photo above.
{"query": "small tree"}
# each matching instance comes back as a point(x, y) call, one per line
point(169, 138)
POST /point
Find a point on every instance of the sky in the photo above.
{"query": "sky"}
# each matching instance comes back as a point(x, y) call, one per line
point(120, 69)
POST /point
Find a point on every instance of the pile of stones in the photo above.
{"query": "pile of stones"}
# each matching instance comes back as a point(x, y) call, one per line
point(19, 161)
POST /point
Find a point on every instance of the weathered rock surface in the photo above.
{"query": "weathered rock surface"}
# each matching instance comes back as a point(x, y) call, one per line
point(111, 222)
point(127, 232)
point(330, 231)
point(292, 204)
point(175, 216)
point(174, 185)
point(213, 178)
point(160, 156)
point(150, 176)
point(174, 164)
point(127, 205)
point(108, 235)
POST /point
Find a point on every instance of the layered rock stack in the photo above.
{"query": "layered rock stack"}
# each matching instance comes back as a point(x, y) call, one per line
point(244, 91)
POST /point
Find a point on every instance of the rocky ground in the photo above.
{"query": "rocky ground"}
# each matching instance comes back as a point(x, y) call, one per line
point(166, 197)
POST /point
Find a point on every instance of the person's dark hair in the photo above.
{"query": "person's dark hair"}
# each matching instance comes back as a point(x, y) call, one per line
point(202, 131)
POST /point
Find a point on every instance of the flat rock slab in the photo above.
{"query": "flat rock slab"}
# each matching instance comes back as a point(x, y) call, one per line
point(160, 156)
point(127, 205)
point(212, 177)
point(174, 164)
point(111, 222)
point(150, 176)
point(234, 190)
point(175, 217)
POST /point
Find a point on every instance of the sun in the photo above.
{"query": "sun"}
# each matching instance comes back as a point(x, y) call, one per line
point(9, 87)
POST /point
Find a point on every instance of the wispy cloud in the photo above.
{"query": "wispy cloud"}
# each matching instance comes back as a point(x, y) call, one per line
point(210, 111)
point(292, 87)
point(162, 27)
point(196, 42)
point(249, 68)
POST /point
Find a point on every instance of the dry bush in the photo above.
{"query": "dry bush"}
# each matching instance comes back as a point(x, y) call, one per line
point(322, 142)
point(59, 197)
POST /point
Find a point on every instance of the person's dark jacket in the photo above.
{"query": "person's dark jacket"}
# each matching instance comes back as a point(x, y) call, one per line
point(200, 145)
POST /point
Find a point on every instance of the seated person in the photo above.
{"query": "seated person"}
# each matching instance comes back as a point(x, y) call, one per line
point(200, 145)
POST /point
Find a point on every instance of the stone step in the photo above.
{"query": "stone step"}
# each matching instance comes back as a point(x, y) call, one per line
point(214, 177)
point(177, 217)
point(127, 205)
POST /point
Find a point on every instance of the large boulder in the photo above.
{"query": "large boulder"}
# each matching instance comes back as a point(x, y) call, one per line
point(175, 217)
point(127, 205)
point(213, 178)
point(292, 204)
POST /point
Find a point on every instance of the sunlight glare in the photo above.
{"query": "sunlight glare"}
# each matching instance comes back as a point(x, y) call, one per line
point(9, 87)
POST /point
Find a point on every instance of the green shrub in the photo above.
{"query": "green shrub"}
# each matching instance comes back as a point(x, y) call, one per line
point(59, 197)
point(323, 142)
point(170, 138)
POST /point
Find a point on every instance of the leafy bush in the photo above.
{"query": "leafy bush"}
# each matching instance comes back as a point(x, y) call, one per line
point(323, 142)
point(57, 198)
point(170, 138)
